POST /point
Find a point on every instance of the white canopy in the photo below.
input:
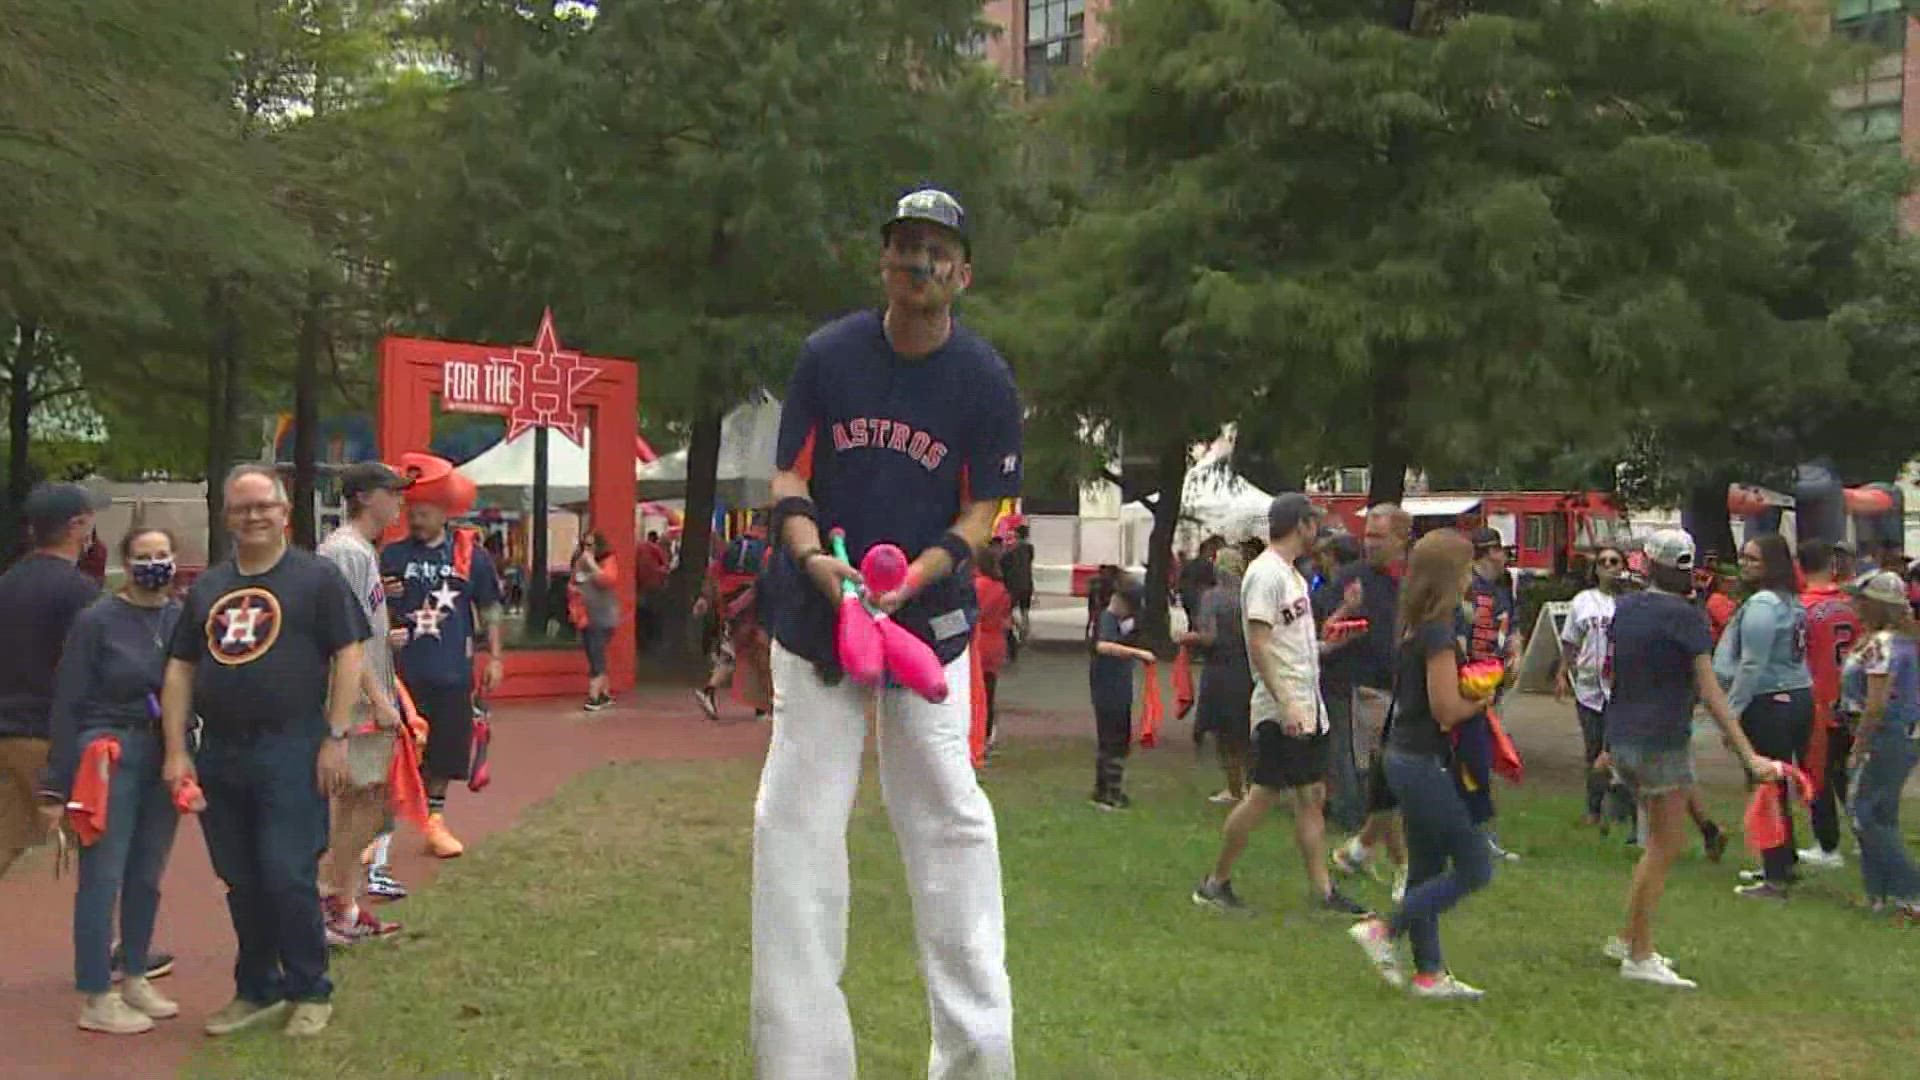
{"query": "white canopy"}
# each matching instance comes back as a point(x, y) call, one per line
point(749, 437)
point(1439, 506)
point(504, 472)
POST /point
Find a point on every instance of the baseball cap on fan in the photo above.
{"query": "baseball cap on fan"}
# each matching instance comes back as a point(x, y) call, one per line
point(935, 207)
point(366, 476)
point(57, 504)
point(1883, 586)
point(1288, 511)
point(1671, 548)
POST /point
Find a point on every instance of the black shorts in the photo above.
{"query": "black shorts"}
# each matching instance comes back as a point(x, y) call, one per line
point(449, 713)
point(1380, 797)
point(1282, 762)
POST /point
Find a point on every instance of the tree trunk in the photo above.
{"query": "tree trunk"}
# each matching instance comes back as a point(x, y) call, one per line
point(1155, 623)
point(540, 582)
point(306, 417)
point(1392, 387)
point(20, 413)
point(1706, 516)
point(223, 391)
point(696, 536)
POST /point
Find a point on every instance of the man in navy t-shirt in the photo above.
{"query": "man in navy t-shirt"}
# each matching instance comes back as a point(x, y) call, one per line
point(1486, 633)
point(441, 587)
point(900, 426)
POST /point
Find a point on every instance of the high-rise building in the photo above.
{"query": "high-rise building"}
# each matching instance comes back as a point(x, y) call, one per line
point(1042, 42)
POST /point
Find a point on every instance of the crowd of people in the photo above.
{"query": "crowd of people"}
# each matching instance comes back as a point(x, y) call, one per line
point(1338, 681)
point(284, 699)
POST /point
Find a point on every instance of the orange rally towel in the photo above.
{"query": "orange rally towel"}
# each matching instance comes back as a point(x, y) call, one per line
point(977, 728)
point(1183, 695)
point(406, 793)
point(1506, 757)
point(1766, 822)
point(87, 804)
point(1150, 709)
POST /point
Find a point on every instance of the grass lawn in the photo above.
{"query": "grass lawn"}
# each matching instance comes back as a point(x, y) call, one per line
point(608, 936)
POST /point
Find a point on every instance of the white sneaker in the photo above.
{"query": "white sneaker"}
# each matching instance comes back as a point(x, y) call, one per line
point(1371, 935)
point(1617, 948)
point(1446, 988)
point(108, 1014)
point(139, 993)
point(1655, 969)
point(1223, 798)
point(1820, 859)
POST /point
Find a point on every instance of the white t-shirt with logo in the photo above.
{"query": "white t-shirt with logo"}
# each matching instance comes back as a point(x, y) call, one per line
point(1273, 592)
point(1585, 632)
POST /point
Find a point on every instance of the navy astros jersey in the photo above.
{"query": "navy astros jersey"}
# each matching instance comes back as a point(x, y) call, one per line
point(439, 608)
point(892, 449)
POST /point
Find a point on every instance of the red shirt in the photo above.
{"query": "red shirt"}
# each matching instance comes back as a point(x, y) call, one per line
point(1832, 628)
point(1720, 612)
point(649, 566)
point(990, 633)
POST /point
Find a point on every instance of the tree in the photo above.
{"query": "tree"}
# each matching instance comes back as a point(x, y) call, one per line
point(692, 185)
point(1406, 230)
point(124, 183)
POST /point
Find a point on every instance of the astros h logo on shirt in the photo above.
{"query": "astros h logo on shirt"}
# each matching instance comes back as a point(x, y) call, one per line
point(242, 626)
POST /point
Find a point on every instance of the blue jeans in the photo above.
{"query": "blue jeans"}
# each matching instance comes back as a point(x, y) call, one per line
point(1439, 828)
point(1874, 804)
point(125, 864)
point(266, 827)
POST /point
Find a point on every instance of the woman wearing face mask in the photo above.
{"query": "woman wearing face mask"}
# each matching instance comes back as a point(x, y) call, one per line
point(108, 687)
point(1880, 686)
point(1762, 660)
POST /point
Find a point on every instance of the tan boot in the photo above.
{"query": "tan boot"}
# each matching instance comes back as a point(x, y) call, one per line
point(241, 1014)
point(309, 1019)
point(140, 994)
point(441, 844)
point(109, 1014)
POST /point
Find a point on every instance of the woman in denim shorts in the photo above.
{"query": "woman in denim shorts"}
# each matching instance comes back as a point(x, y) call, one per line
point(1881, 688)
point(1662, 660)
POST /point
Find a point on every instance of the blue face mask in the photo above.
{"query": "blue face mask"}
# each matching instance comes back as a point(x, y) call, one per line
point(153, 574)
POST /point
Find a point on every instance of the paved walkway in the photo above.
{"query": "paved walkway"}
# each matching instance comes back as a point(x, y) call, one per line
point(536, 749)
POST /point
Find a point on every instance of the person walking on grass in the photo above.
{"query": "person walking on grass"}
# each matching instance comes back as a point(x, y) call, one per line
point(993, 634)
point(1388, 529)
point(1289, 717)
point(1882, 691)
point(267, 654)
point(108, 685)
point(900, 426)
point(1661, 663)
point(1448, 857)
point(1832, 630)
point(371, 492)
point(1110, 677)
point(1486, 633)
point(1584, 675)
point(596, 573)
point(1762, 661)
point(1226, 682)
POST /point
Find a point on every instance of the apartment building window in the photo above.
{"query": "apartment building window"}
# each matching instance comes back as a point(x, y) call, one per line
point(1880, 23)
point(1056, 42)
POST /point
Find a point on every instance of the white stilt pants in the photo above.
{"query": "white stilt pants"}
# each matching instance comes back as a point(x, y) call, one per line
point(944, 826)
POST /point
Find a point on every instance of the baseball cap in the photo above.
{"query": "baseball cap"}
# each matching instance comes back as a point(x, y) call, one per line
point(1288, 510)
point(1671, 548)
point(54, 504)
point(1883, 586)
point(365, 476)
point(934, 206)
point(1486, 537)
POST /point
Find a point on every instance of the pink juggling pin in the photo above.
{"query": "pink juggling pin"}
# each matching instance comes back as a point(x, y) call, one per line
point(857, 638)
point(908, 659)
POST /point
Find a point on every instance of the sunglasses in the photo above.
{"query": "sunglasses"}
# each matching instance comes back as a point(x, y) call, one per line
point(1611, 562)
